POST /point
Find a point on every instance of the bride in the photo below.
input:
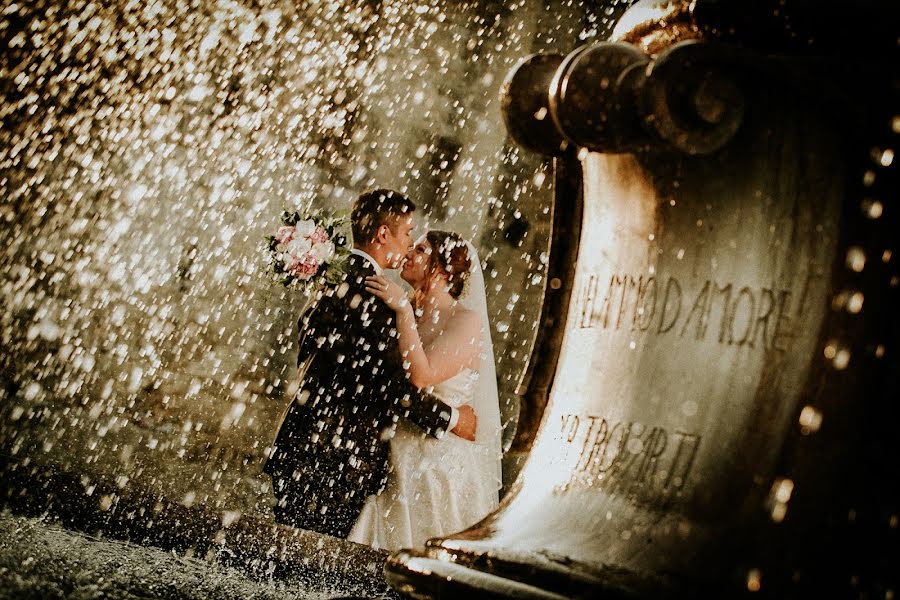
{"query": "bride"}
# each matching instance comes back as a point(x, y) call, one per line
point(437, 487)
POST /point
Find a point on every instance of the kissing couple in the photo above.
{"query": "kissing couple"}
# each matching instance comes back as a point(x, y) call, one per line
point(394, 434)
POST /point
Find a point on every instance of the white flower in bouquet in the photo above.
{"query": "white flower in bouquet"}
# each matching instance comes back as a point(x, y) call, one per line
point(299, 246)
point(286, 258)
point(323, 251)
point(304, 228)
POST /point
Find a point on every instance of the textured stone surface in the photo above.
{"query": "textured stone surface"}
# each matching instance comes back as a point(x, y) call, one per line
point(40, 559)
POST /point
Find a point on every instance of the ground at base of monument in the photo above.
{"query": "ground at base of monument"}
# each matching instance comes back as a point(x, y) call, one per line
point(40, 559)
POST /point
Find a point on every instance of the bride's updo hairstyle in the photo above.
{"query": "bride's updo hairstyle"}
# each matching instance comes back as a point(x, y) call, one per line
point(450, 256)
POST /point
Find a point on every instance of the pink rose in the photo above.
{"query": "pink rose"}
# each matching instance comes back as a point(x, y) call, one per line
point(304, 268)
point(285, 234)
point(318, 236)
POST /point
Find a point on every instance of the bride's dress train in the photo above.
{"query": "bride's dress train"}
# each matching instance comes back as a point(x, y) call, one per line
point(436, 487)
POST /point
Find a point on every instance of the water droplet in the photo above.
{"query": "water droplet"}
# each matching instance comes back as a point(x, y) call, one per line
point(856, 259)
point(810, 419)
point(779, 511)
point(782, 490)
point(841, 359)
point(839, 356)
point(855, 303)
point(754, 580)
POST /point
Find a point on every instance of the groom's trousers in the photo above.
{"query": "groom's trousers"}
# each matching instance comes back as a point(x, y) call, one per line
point(314, 506)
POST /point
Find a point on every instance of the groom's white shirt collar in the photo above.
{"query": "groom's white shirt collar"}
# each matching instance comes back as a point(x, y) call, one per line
point(375, 265)
point(454, 412)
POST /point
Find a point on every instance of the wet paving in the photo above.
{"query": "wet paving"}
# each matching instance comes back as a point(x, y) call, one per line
point(40, 559)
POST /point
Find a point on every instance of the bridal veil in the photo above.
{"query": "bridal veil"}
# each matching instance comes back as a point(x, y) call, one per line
point(485, 398)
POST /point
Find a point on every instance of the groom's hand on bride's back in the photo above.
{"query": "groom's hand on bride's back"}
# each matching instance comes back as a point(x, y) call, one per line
point(467, 423)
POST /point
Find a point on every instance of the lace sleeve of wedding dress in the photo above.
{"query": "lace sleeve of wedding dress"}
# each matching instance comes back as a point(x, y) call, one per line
point(485, 397)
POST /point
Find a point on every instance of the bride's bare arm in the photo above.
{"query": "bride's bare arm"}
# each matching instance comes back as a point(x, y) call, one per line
point(447, 355)
point(452, 351)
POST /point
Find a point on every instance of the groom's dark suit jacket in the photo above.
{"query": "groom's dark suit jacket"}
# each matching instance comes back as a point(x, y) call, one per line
point(332, 448)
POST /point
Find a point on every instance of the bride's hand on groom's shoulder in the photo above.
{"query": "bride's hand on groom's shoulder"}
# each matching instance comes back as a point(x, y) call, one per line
point(389, 292)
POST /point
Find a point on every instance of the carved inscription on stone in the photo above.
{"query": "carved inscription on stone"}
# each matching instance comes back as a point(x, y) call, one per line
point(628, 457)
point(723, 312)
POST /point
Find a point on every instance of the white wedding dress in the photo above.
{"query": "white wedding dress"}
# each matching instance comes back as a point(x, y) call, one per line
point(437, 487)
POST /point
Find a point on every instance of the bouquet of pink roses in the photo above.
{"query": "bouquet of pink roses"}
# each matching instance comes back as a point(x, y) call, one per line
point(308, 250)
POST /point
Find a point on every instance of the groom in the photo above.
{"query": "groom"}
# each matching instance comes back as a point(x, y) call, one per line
point(332, 449)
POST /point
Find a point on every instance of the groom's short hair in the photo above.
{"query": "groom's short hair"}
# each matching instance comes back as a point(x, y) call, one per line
point(375, 208)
